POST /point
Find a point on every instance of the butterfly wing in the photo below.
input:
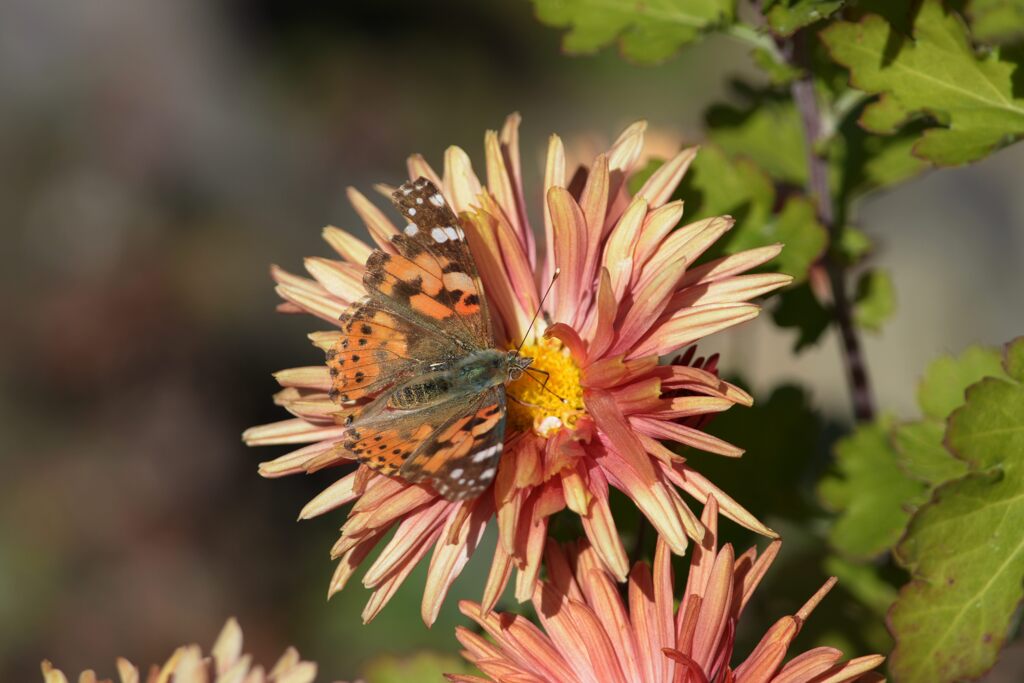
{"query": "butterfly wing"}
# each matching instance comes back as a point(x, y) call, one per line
point(460, 459)
point(425, 309)
point(433, 277)
point(455, 445)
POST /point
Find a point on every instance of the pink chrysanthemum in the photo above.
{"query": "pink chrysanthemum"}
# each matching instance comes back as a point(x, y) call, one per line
point(225, 663)
point(629, 294)
point(590, 634)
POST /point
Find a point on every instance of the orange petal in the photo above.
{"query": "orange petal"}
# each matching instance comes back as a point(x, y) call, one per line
point(698, 486)
point(764, 661)
point(690, 324)
point(657, 227)
point(594, 204)
point(663, 182)
point(450, 557)
point(715, 609)
point(621, 244)
point(733, 289)
point(569, 230)
point(554, 176)
point(808, 665)
point(727, 266)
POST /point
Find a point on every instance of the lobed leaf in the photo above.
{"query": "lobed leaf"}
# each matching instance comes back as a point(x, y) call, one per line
point(785, 17)
point(874, 300)
point(647, 32)
point(936, 73)
point(873, 496)
point(964, 548)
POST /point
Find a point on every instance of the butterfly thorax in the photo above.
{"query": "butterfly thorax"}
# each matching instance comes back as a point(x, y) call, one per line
point(468, 375)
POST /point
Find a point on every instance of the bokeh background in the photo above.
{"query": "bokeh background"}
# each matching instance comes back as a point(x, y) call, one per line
point(156, 157)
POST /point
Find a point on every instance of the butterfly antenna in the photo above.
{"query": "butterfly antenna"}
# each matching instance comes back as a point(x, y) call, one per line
point(544, 386)
point(540, 307)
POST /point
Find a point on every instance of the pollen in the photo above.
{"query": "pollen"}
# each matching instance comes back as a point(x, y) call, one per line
point(535, 400)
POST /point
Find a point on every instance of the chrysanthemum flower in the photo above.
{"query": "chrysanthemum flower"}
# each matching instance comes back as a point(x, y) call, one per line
point(630, 292)
point(591, 634)
point(188, 664)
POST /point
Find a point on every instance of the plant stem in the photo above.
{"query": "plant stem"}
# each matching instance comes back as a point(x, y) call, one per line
point(806, 101)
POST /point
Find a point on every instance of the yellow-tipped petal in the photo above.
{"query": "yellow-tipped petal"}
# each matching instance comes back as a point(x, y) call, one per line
point(349, 247)
point(663, 182)
point(461, 183)
point(690, 324)
point(419, 168)
point(381, 229)
point(343, 280)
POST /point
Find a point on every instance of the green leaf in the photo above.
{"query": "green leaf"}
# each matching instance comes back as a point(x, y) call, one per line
point(798, 308)
point(854, 244)
point(922, 455)
point(798, 228)
point(647, 32)
point(423, 666)
point(864, 582)
point(997, 21)
point(766, 129)
point(863, 162)
point(787, 16)
point(779, 73)
point(871, 493)
point(938, 74)
point(875, 300)
point(943, 386)
point(964, 548)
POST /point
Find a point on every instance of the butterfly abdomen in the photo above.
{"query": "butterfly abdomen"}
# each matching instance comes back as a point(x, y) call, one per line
point(418, 394)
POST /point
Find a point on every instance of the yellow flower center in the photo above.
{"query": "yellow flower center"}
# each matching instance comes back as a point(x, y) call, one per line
point(535, 399)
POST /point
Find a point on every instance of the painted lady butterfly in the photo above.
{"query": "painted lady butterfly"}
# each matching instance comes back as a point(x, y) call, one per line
point(416, 370)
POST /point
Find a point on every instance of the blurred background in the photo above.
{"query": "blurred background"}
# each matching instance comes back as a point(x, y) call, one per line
point(157, 156)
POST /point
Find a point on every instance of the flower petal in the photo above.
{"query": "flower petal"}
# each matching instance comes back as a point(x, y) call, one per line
point(419, 168)
point(334, 496)
point(734, 289)
point(451, 555)
point(621, 244)
point(461, 183)
point(343, 280)
point(381, 229)
point(663, 182)
point(690, 324)
point(727, 266)
point(349, 247)
point(569, 231)
point(554, 176)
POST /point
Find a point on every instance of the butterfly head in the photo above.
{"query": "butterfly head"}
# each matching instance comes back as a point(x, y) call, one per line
point(516, 364)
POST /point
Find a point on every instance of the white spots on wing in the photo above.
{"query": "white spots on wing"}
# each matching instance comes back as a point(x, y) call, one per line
point(437, 200)
point(411, 211)
point(458, 281)
point(486, 453)
point(412, 229)
point(457, 472)
point(407, 191)
point(487, 474)
point(452, 234)
point(439, 235)
point(419, 200)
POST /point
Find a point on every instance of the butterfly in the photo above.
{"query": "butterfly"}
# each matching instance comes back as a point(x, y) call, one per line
point(416, 371)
